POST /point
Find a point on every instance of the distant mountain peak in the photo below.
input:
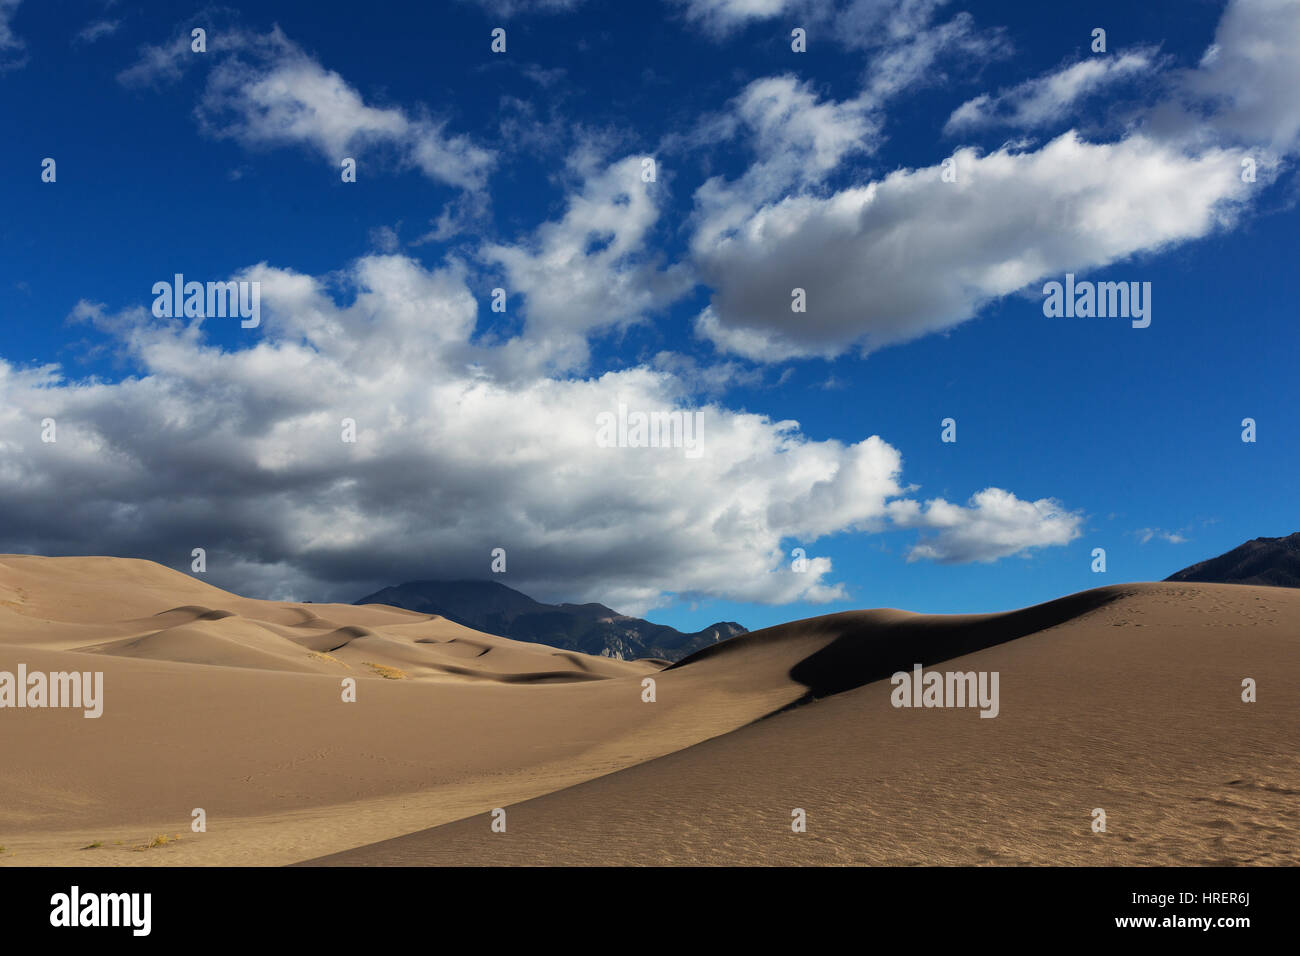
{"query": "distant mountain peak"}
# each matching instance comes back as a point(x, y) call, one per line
point(1274, 562)
point(591, 628)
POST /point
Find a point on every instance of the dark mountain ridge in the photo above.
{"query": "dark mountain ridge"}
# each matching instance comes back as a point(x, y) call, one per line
point(590, 628)
point(1269, 561)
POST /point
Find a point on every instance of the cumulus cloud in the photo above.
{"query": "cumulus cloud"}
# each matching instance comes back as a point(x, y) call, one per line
point(590, 269)
point(1050, 98)
point(265, 91)
point(473, 435)
point(906, 254)
point(797, 139)
point(797, 136)
point(910, 255)
point(239, 451)
point(1247, 80)
point(994, 524)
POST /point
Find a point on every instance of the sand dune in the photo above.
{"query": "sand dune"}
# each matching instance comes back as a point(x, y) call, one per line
point(233, 705)
point(104, 606)
point(1125, 698)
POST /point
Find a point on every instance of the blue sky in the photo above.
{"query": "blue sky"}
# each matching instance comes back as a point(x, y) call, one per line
point(774, 169)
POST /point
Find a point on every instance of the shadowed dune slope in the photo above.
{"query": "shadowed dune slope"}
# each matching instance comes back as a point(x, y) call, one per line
point(858, 647)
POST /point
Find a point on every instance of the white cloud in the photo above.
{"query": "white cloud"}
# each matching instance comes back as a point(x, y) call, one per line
point(904, 42)
point(1050, 98)
point(723, 16)
point(385, 238)
point(907, 255)
point(97, 30)
point(907, 48)
point(11, 46)
point(238, 450)
point(167, 62)
point(264, 90)
point(791, 127)
point(910, 254)
point(994, 524)
point(1250, 75)
point(797, 138)
point(469, 444)
point(1147, 535)
point(590, 269)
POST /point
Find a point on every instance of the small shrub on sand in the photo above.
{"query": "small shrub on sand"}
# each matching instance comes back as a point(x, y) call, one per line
point(160, 840)
point(329, 658)
point(392, 673)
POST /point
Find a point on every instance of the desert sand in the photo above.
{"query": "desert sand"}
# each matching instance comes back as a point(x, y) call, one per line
point(1125, 698)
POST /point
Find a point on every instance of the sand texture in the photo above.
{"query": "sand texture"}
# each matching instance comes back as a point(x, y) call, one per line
point(1125, 698)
